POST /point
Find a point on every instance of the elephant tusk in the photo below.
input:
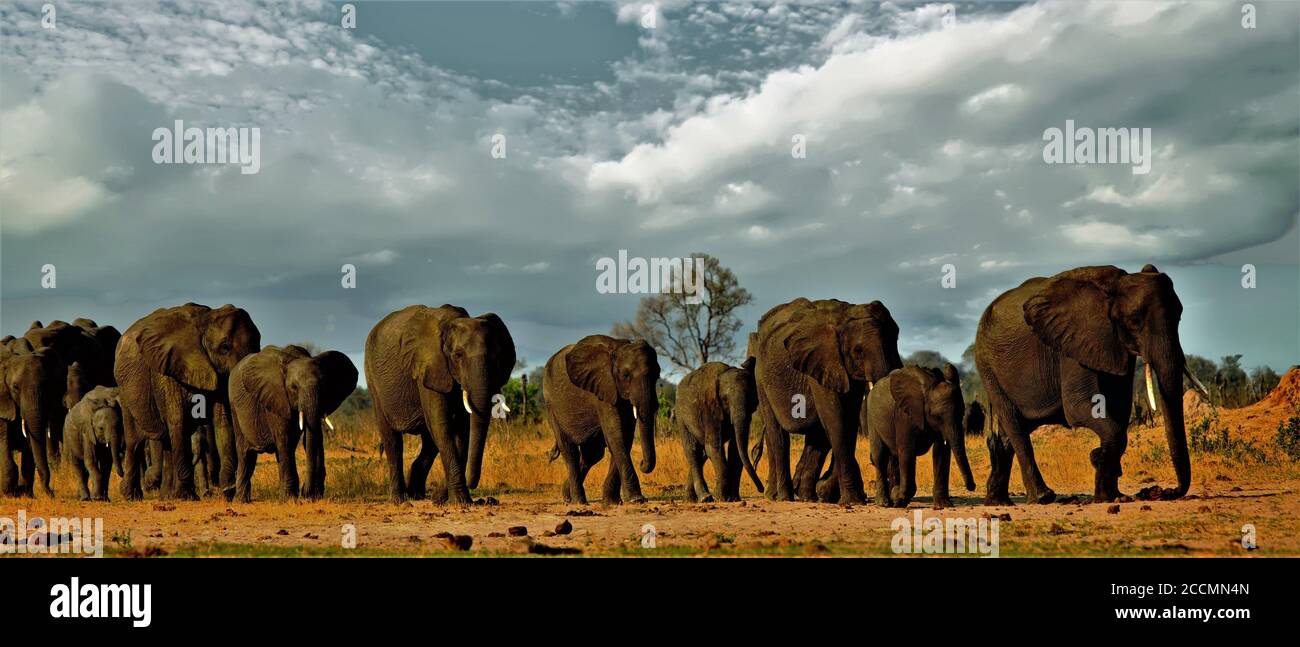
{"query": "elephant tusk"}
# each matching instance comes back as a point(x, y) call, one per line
point(870, 385)
point(464, 399)
point(300, 421)
point(23, 425)
point(328, 423)
point(1197, 383)
point(634, 412)
point(1151, 392)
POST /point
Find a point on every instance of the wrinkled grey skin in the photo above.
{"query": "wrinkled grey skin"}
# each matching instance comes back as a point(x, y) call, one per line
point(163, 361)
point(280, 395)
point(1046, 348)
point(82, 343)
point(715, 405)
point(432, 373)
point(821, 354)
point(94, 436)
point(592, 389)
point(32, 382)
point(908, 412)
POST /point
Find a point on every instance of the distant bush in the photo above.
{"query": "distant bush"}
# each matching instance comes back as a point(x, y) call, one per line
point(1288, 436)
point(1207, 437)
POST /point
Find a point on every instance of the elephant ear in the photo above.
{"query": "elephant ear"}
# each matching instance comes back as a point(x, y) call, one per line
point(499, 334)
point(8, 408)
point(172, 344)
point(590, 366)
point(340, 378)
point(909, 395)
point(262, 375)
point(1073, 318)
point(422, 349)
point(814, 350)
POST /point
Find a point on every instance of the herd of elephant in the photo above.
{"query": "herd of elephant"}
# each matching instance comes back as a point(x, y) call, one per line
point(189, 394)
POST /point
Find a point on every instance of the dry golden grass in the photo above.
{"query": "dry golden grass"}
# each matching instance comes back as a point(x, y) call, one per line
point(516, 460)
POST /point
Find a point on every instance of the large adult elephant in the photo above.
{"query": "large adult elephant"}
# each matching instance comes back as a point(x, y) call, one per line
point(31, 385)
point(715, 405)
point(816, 361)
point(166, 359)
point(600, 391)
point(432, 373)
point(85, 345)
point(279, 395)
point(1047, 348)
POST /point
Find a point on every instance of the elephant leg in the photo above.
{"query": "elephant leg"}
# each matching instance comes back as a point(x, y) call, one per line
point(940, 460)
point(696, 491)
point(776, 442)
point(906, 488)
point(418, 479)
point(391, 442)
point(222, 457)
point(132, 460)
point(286, 454)
point(153, 476)
point(179, 466)
point(733, 472)
point(82, 474)
point(1001, 453)
point(816, 447)
point(880, 458)
point(717, 454)
point(572, 490)
point(590, 452)
point(1106, 460)
point(247, 463)
point(1036, 491)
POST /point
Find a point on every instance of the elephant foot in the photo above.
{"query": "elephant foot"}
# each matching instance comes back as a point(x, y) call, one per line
point(730, 498)
point(708, 498)
point(396, 498)
point(853, 499)
point(777, 495)
point(902, 502)
point(942, 502)
point(458, 497)
point(1044, 497)
point(48, 492)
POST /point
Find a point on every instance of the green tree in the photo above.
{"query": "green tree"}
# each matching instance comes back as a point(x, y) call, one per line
point(972, 388)
point(926, 359)
point(687, 335)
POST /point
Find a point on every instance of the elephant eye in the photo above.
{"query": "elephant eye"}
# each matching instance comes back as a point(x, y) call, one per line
point(224, 347)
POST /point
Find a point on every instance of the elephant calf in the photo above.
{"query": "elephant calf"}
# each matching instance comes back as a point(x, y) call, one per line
point(92, 433)
point(279, 395)
point(715, 404)
point(909, 410)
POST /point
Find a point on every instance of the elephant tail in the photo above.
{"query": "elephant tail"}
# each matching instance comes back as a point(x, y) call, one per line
point(553, 454)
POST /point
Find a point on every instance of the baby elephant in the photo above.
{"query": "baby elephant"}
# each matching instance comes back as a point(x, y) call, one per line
point(92, 436)
point(907, 411)
point(715, 404)
point(279, 395)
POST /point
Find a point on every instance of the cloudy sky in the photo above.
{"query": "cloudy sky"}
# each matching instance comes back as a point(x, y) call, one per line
point(924, 143)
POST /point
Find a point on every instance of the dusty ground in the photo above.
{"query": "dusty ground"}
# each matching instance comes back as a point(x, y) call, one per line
point(1250, 481)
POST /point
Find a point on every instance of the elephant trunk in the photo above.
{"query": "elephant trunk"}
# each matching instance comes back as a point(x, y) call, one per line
point(33, 416)
point(956, 439)
point(740, 421)
point(646, 411)
point(478, 399)
point(1168, 369)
